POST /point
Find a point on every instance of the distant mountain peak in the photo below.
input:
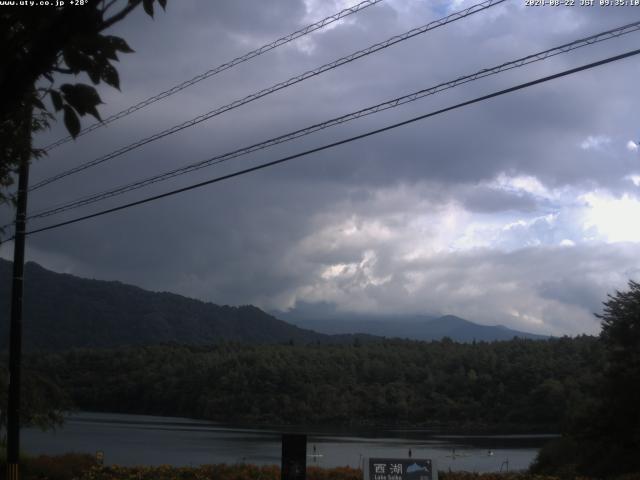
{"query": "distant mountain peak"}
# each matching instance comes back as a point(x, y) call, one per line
point(414, 327)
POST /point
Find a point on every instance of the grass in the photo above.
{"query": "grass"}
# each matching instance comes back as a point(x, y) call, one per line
point(75, 466)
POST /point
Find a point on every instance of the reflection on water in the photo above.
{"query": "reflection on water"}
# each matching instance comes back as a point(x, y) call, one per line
point(147, 440)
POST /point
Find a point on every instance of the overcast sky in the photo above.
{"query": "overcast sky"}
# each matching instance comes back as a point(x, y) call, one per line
point(522, 210)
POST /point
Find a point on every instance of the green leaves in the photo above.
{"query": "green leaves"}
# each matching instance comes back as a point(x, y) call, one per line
point(38, 103)
point(71, 121)
point(78, 99)
point(76, 60)
point(118, 44)
point(56, 99)
point(96, 63)
point(148, 7)
point(83, 98)
point(54, 45)
point(93, 55)
point(110, 76)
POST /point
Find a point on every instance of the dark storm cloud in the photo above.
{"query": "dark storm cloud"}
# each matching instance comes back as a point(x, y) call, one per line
point(536, 132)
point(487, 200)
point(206, 244)
point(574, 291)
point(408, 220)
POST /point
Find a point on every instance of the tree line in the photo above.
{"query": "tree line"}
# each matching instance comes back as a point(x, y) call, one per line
point(520, 384)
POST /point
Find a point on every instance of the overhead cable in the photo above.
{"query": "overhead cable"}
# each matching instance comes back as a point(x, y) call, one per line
point(543, 55)
point(274, 88)
point(220, 68)
point(340, 142)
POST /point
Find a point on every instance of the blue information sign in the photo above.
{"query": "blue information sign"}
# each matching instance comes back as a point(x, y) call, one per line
point(400, 469)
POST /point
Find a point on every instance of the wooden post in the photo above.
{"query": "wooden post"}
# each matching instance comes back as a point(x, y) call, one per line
point(294, 457)
point(15, 346)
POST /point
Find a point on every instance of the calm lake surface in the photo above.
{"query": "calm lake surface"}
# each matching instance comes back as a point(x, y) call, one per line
point(148, 440)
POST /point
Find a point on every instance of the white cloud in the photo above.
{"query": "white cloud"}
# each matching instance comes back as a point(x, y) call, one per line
point(614, 218)
point(552, 290)
point(318, 9)
point(632, 146)
point(523, 183)
point(403, 252)
point(635, 179)
point(595, 142)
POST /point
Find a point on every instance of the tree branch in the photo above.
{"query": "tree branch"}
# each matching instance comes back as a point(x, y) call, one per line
point(62, 70)
point(107, 6)
point(120, 15)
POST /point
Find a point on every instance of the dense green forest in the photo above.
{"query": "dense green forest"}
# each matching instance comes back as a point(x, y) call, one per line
point(519, 384)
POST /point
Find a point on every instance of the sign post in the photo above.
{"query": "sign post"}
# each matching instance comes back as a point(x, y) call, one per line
point(400, 469)
point(294, 457)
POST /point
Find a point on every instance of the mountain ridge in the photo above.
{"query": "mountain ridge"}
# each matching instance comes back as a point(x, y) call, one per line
point(414, 327)
point(89, 313)
point(100, 314)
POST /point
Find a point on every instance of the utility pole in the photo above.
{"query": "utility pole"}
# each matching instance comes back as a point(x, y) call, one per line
point(15, 347)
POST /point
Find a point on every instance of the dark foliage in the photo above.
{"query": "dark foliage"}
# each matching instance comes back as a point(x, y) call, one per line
point(36, 46)
point(621, 388)
point(604, 438)
point(43, 402)
point(521, 383)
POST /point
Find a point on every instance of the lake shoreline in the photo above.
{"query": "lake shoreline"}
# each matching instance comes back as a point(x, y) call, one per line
point(130, 440)
point(433, 428)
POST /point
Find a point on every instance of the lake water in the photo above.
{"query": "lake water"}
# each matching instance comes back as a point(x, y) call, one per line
point(148, 440)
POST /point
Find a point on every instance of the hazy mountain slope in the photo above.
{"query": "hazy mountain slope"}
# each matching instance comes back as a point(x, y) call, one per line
point(412, 327)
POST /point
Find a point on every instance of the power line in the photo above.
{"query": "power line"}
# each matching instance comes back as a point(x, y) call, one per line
point(220, 68)
point(274, 88)
point(341, 142)
point(87, 200)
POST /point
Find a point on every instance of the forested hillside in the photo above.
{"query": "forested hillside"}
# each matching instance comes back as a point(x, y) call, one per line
point(520, 384)
point(64, 311)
